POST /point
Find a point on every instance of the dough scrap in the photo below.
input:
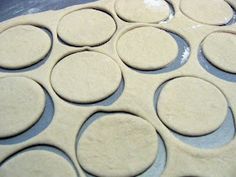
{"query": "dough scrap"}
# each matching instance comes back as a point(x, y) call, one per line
point(86, 77)
point(219, 49)
point(86, 27)
point(212, 12)
point(37, 163)
point(117, 145)
point(192, 106)
point(147, 11)
point(22, 103)
point(22, 46)
point(145, 48)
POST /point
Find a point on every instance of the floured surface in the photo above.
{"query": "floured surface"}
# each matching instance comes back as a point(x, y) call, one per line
point(138, 95)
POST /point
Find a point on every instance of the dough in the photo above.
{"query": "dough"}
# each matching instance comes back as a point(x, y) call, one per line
point(191, 106)
point(22, 46)
point(147, 11)
point(212, 12)
point(220, 49)
point(86, 27)
point(22, 103)
point(37, 163)
point(145, 48)
point(86, 77)
point(117, 145)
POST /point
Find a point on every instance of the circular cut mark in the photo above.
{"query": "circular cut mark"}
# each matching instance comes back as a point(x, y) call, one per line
point(117, 145)
point(22, 103)
point(86, 77)
point(191, 106)
point(22, 46)
point(219, 49)
point(147, 11)
point(212, 12)
point(86, 27)
point(37, 163)
point(145, 48)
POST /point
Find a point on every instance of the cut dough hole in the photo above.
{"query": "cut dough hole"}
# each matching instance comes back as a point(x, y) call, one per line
point(37, 163)
point(191, 106)
point(147, 11)
point(213, 12)
point(144, 48)
point(86, 27)
point(22, 103)
point(86, 77)
point(117, 144)
point(22, 46)
point(219, 49)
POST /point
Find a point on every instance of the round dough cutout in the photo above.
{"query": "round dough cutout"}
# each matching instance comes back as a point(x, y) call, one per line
point(211, 12)
point(118, 145)
point(22, 46)
point(146, 11)
point(86, 77)
point(144, 48)
point(191, 106)
point(219, 49)
point(37, 163)
point(86, 27)
point(22, 103)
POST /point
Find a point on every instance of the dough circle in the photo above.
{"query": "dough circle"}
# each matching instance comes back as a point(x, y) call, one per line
point(146, 11)
point(191, 106)
point(86, 27)
point(22, 46)
point(219, 49)
point(117, 145)
point(86, 77)
point(144, 48)
point(212, 12)
point(22, 103)
point(37, 163)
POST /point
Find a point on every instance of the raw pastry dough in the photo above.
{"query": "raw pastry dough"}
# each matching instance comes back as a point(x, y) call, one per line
point(37, 163)
point(117, 145)
point(22, 103)
point(145, 48)
point(212, 12)
point(86, 27)
point(220, 49)
point(86, 77)
point(22, 46)
point(148, 11)
point(191, 106)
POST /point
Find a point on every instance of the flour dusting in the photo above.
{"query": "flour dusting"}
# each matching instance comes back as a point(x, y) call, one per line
point(185, 55)
point(154, 3)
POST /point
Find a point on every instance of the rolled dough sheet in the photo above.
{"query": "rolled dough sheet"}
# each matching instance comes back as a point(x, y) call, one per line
point(93, 51)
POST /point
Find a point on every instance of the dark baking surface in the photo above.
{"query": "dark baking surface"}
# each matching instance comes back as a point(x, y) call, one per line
point(13, 8)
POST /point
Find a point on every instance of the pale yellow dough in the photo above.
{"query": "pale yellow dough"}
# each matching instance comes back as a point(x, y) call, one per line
point(212, 12)
point(117, 145)
point(145, 48)
point(148, 11)
point(86, 77)
point(191, 106)
point(86, 27)
point(22, 46)
point(22, 103)
point(220, 49)
point(37, 163)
